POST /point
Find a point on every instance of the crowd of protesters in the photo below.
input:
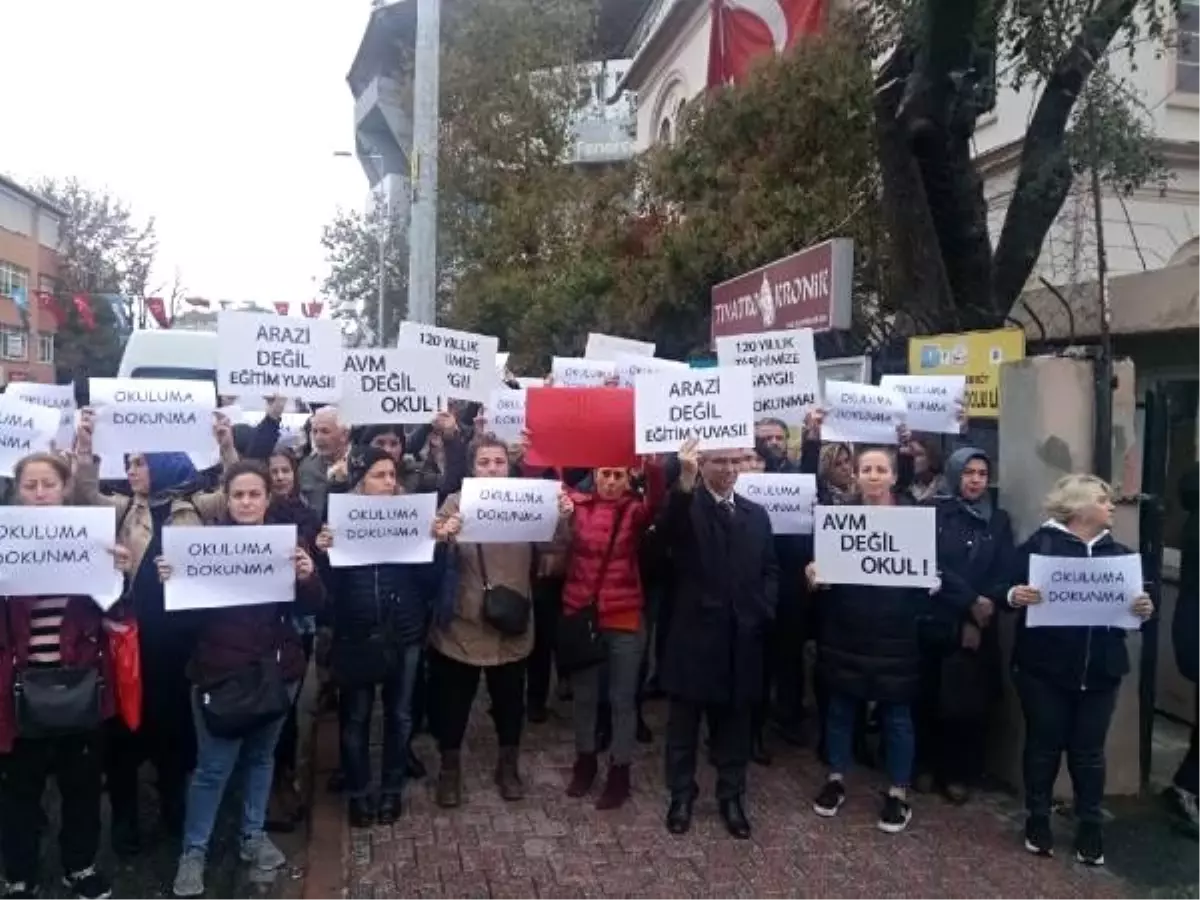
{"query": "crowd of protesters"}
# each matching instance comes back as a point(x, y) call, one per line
point(662, 578)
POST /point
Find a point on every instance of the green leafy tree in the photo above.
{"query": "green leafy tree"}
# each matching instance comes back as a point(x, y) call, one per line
point(929, 93)
point(352, 251)
point(104, 250)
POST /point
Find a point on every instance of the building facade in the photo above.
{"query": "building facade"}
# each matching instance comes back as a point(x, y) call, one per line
point(29, 243)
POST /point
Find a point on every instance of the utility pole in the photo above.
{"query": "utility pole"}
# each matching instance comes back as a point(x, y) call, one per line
point(385, 230)
point(422, 229)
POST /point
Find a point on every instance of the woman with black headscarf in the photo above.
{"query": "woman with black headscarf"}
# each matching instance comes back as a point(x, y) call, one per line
point(961, 656)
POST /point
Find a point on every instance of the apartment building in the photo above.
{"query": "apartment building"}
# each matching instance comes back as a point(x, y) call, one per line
point(29, 243)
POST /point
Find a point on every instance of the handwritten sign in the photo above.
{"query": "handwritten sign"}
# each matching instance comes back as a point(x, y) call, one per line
point(370, 531)
point(1085, 591)
point(883, 546)
point(233, 565)
point(933, 401)
point(784, 364)
point(278, 356)
point(568, 371)
point(715, 406)
point(63, 550)
point(24, 429)
point(390, 386)
point(788, 498)
point(52, 396)
point(860, 413)
point(508, 510)
point(608, 347)
point(506, 414)
point(468, 360)
point(628, 367)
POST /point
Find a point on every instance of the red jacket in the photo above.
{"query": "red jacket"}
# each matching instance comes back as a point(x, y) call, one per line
point(82, 643)
point(619, 597)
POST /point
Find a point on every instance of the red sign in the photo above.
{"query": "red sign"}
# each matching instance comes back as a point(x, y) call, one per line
point(809, 289)
point(581, 428)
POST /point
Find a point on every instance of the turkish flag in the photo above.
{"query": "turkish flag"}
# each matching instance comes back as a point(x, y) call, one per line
point(312, 310)
point(48, 305)
point(744, 30)
point(84, 307)
point(158, 309)
point(282, 308)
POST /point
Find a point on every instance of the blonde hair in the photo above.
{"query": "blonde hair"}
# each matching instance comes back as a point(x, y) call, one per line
point(1072, 493)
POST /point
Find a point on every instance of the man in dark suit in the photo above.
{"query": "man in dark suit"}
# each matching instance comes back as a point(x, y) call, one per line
point(725, 586)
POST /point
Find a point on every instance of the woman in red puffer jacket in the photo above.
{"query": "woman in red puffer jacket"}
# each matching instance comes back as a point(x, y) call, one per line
point(606, 532)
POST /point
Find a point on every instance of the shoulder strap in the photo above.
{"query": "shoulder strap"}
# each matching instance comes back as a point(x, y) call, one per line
point(608, 552)
point(482, 567)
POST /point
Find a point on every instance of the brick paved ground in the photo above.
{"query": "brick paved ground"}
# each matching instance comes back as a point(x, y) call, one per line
point(551, 846)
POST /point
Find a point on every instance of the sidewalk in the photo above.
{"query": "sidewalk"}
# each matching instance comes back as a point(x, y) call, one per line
point(551, 846)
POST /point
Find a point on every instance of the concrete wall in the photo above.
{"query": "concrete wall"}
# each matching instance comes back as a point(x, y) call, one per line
point(1046, 425)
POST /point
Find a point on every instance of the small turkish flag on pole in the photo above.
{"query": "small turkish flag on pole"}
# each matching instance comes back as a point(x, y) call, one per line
point(158, 309)
point(83, 306)
point(312, 310)
point(49, 305)
point(282, 308)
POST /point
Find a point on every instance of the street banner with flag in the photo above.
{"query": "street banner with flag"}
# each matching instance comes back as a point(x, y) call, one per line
point(83, 306)
point(157, 308)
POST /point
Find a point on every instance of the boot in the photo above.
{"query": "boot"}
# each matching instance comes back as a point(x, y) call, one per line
point(390, 806)
point(616, 788)
point(361, 812)
point(448, 793)
point(508, 775)
point(583, 775)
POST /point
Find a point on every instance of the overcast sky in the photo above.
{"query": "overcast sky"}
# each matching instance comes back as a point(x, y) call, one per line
point(218, 118)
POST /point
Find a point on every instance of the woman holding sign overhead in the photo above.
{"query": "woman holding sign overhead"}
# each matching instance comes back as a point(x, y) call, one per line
point(245, 668)
point(1067, 675)
point(868, 651)
point(485, 626)
point(53, 668)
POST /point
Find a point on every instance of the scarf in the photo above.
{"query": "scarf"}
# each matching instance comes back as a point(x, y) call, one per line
point(980, 508)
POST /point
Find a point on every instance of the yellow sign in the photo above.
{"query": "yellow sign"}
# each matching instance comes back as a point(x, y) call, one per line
point(976, 354)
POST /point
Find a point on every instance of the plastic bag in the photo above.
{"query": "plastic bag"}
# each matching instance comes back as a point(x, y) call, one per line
point(127, 671)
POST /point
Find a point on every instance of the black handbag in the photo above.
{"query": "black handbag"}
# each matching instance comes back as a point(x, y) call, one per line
point(54, 701)
point(245, 700)
point(506, 610)
point(579, 642)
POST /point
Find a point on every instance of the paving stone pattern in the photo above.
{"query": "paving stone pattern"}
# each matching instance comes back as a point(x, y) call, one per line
point(552, 846)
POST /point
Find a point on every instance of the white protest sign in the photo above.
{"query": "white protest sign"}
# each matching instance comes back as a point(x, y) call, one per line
point(1085, 591)
point(508, 510)
point(882, 546)
point(161, 391)
point(123, 428)
point(53, 396)
point(630, 367)
point(391, 386)
point(368, 531)
point(24, 428)
point(608, 347)
point(230, 565)
point(786, 384)
point(526, 381)
point(506, 414)
point(57, 550)
point(278, 356)
point(291, 427)
point(933, 401)
point(502, 364)
point(568, 371)
point(715, 406)
point(860, 413)
point(468, 360)
point(788, 498)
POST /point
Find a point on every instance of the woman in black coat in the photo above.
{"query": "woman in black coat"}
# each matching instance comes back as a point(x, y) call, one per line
point(1067, 676)
point(868, 651)
point(961, 650)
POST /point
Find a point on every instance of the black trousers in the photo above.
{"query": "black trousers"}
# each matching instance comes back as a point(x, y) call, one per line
point(783, 664)
point(1059, 719)
point(1187, 774)
point(166, 738)
point(453, 685)
point(75, 761)
point(729, 729)
point(547, 608)
point(285, 748)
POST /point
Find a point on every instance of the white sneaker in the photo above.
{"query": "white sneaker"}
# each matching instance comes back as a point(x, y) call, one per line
point(262, 854)
point(189, 877)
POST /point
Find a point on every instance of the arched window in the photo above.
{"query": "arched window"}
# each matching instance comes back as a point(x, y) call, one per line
point(664, 131)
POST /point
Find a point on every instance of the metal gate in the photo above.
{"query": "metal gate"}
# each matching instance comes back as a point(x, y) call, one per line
point(1152, 515)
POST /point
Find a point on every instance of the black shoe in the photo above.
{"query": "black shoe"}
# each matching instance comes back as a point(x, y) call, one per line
point(389, 809)
point(679, 815)
point(758, 751)
point(88, 885)
point(734, 817)
point(361, 813)
point(413, 766)
point(126, 837)
point(895, 815)
point(537, 714)
point(1089, 844)
point(1039, 837)
point(831, 798)
point(644, 734)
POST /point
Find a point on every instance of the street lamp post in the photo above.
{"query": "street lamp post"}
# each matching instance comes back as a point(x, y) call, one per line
point(383, 238)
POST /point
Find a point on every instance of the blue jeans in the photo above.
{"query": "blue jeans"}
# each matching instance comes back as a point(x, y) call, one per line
point(899, 739)
point(356, 703)
point(216, 758)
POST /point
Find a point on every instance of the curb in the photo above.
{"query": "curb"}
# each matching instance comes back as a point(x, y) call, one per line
point(326, 833)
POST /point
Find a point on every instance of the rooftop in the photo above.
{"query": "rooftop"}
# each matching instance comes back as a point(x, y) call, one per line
point(36, 199)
